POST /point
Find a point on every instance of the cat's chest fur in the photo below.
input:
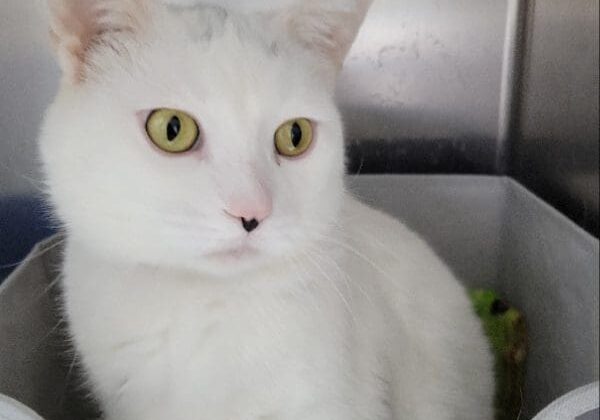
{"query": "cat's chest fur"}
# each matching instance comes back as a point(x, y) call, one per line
point(343, 334)
point(268, 344)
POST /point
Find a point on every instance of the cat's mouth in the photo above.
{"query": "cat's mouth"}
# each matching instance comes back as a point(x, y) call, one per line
point(237, 253)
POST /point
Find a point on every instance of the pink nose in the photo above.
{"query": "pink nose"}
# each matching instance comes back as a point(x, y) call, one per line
point(251, 212)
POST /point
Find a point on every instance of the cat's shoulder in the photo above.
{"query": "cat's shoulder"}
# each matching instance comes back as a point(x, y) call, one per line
point(391, 244)
point(362, 219)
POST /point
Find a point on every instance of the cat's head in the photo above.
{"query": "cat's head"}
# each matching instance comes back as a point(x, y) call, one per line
point(197, 137)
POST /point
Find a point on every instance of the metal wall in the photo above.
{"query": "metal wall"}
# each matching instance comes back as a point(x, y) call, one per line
point(431, 86)
point(422, 87)
point(28, 79)
point(555, 151)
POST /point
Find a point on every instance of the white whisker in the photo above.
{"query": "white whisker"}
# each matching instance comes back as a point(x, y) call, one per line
point(334, 286)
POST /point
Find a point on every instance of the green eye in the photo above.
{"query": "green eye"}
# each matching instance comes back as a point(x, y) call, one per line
point(294, 137)
point(171, 130)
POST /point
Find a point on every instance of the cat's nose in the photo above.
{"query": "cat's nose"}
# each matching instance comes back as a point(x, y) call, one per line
point(250, 213)
point(250, 225)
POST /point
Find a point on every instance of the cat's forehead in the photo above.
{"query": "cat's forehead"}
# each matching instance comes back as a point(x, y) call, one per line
point(202, 53)
point(216, 30)
point(212, 63)
point(203, 23)
point(205, 41)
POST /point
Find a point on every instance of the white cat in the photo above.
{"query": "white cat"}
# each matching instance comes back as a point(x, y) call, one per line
point(216, 269)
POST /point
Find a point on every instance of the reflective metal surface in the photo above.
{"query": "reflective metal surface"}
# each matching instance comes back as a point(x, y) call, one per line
point(428, 69)
point(556, 152)
point(28, 78)
point(427, 74)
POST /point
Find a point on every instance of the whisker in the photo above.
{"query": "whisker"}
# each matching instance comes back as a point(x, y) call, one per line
point(349, 280)
point(302, 280)
point(343, 276)
point(37, 184)
point(360, 255)
point(334, 286)
point(37, 345)
point(31, 257)
point(68, 378)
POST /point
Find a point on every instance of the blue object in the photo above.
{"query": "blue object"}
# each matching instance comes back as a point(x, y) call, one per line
point(24, 221)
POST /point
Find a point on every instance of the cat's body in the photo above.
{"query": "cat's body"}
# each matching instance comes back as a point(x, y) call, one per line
point(321, 309)
point(337, 334)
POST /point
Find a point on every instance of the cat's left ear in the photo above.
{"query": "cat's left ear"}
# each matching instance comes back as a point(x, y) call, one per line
point(327, 28)
point(78, 26)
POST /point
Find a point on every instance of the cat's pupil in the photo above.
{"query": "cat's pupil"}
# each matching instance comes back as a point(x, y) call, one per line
point(173, 128)
point(296, 134)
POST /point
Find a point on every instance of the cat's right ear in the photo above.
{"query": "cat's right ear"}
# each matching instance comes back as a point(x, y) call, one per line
point(325, 27)
point(78, 26)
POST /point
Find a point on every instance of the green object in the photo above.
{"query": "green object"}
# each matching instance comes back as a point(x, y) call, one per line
point(506, 329)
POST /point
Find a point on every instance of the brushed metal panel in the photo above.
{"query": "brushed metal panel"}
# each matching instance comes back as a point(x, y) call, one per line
point(28, 79)
point(549, 269)
point(428, 70)
point(557, 151)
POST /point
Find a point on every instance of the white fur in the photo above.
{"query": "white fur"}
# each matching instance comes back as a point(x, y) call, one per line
point(338, 312)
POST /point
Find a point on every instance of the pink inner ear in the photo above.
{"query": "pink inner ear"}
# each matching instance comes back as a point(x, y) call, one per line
point(73, 28)
point(78, 24)
point(329, 28)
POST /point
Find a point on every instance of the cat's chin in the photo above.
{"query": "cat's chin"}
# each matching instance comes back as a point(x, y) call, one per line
point(234, 261)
